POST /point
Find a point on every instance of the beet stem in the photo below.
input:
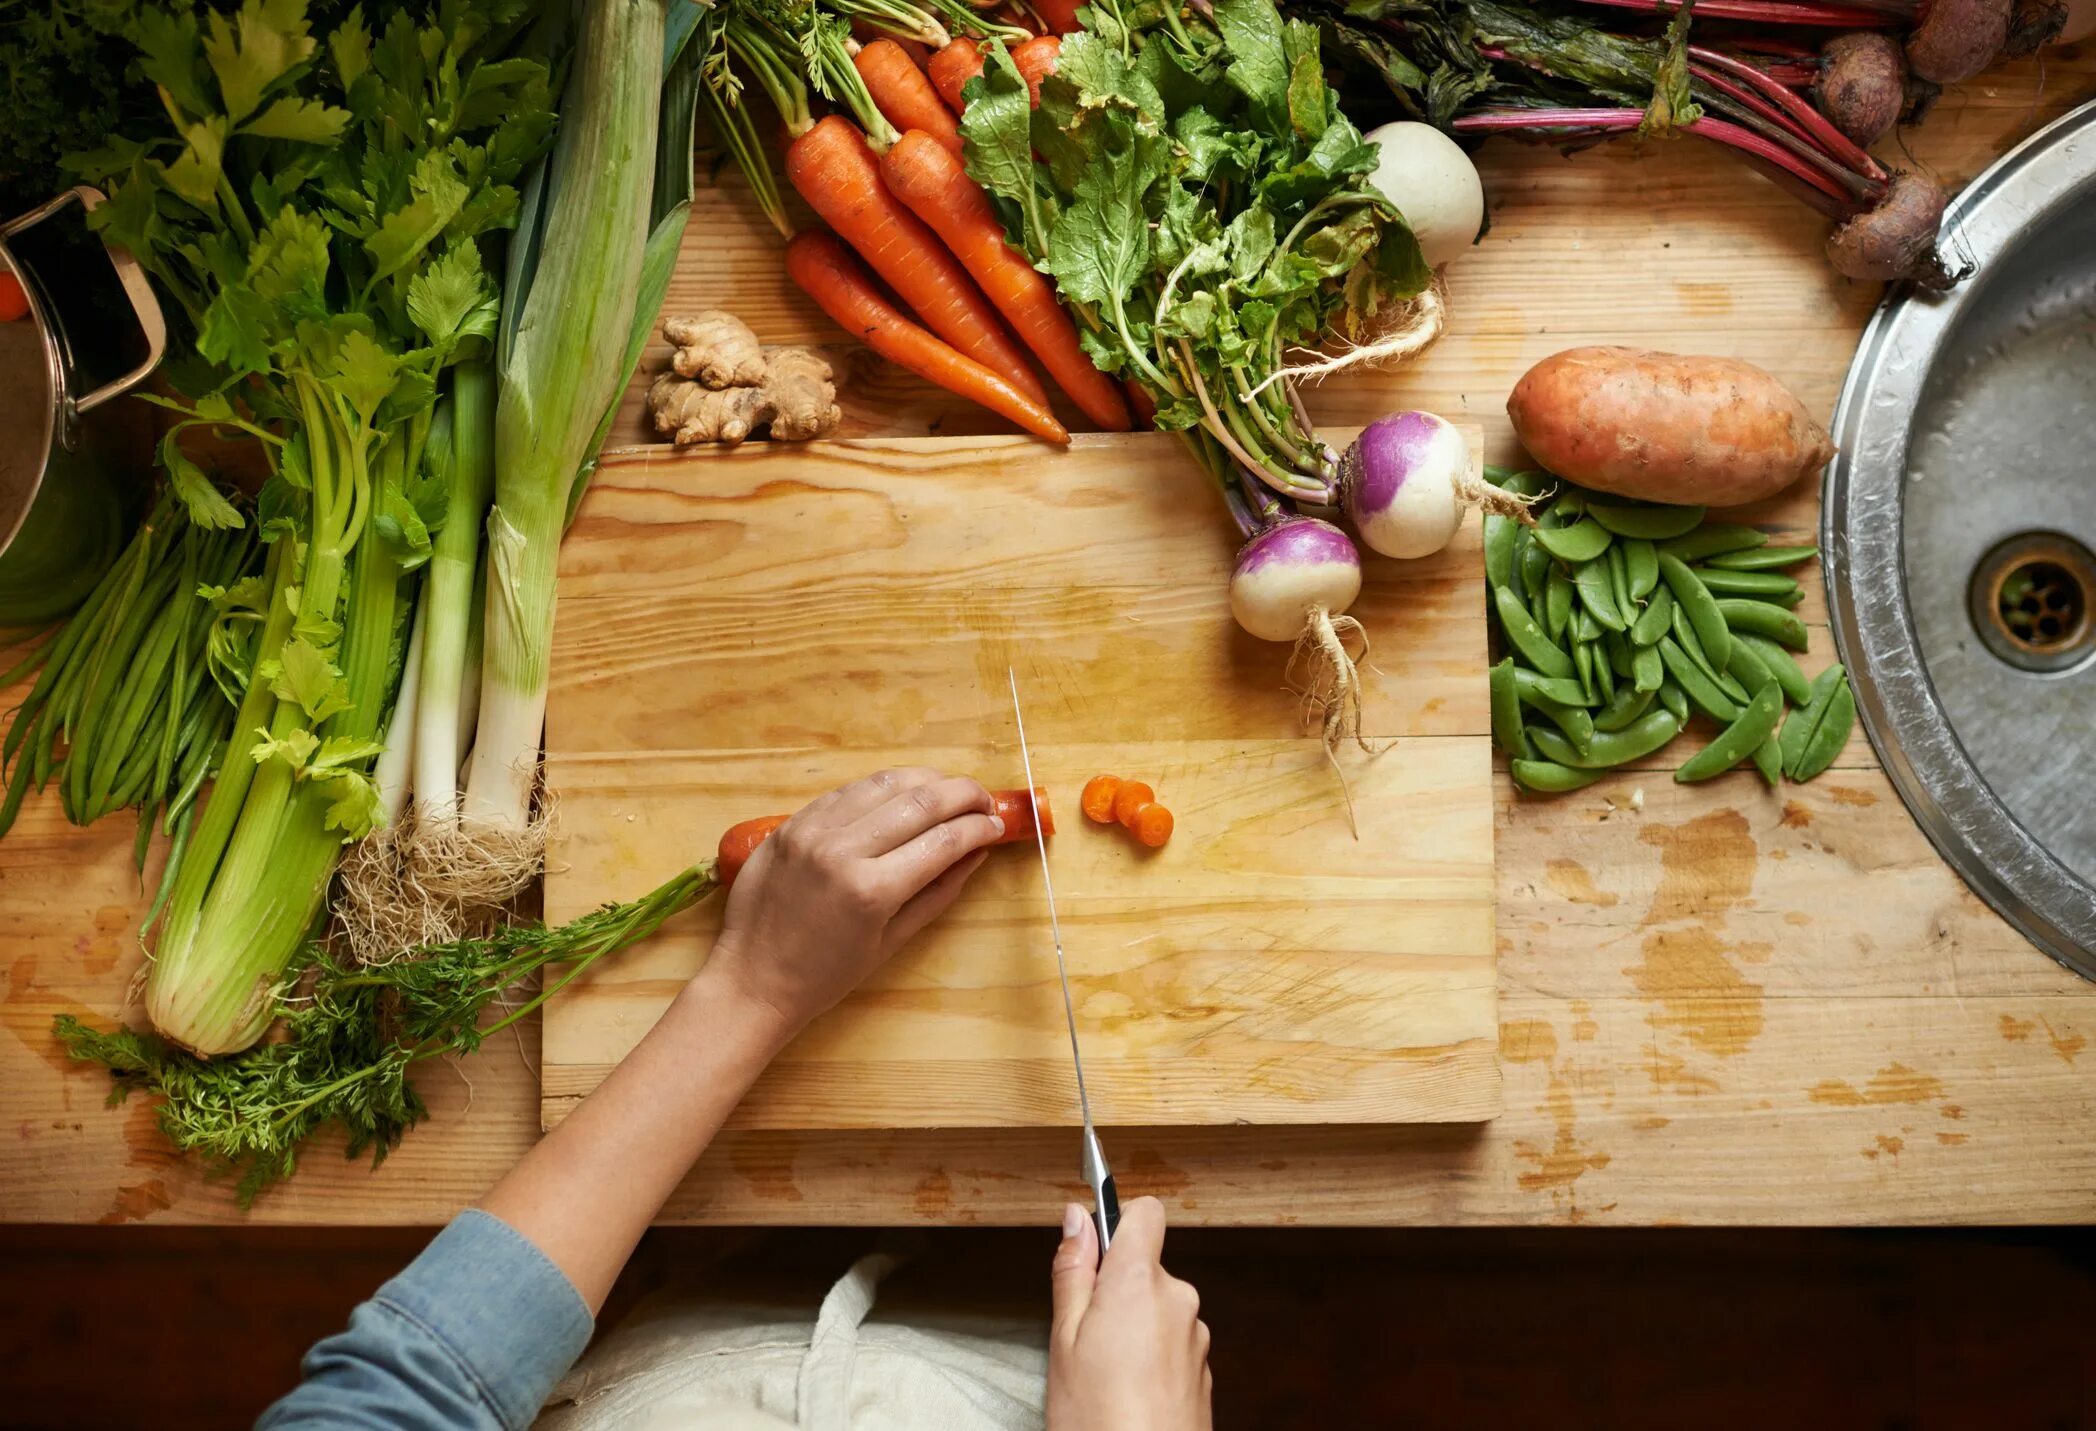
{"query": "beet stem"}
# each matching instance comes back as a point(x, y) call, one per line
point(1780, 12)
point(1804, 116)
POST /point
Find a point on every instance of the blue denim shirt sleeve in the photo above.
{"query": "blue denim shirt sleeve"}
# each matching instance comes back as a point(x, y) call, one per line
point(473, 1333)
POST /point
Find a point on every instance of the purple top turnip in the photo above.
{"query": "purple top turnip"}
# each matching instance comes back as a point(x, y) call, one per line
point(1290, 574)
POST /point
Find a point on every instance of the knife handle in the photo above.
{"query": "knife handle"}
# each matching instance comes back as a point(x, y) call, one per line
point(1107, 1215)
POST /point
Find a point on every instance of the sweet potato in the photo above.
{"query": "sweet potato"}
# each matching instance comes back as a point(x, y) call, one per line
point(1661, 427)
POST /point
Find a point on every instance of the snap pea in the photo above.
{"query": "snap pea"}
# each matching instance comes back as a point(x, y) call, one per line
point(1584, 540)
point(1701, 691)
point(1671, 697)
point(1762, 585)
point(1748, 667)
point(1546, 778)
point(1573, 720)
point(1583, 667)
point(1570, 506)
point(1829, 735)
point(1597, 594)
point(1762, 558)
point(1692, 596)
point(1628, 705)
point(1782, 665)
point(1640, 567)
point(1506, 712)
point(1711, 539)
point(1562, 689)
point(1768, 759)
point(1584, 626)
point(1619, 584)
point(1533, 562)
point(1526, 637)
point(1647, 671)
point(1658, 616)
point(1618, 647)
point(1604, 674)
point(1522, 484)
point(1610, 748)
point(1797, 731)
point(1764, 620)
point(1499, 548)
point(1685, 635)
point(1738, 740)
point(1648, 523)
point(1557, 603)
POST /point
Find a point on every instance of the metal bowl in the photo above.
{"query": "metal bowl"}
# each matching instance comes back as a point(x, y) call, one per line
point(1959, 524)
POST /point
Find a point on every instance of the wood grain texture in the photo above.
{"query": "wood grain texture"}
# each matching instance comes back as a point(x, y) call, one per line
point(743, 630)
point(1868, 1043)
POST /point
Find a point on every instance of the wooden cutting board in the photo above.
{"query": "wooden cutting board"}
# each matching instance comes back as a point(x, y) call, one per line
point(739, 631)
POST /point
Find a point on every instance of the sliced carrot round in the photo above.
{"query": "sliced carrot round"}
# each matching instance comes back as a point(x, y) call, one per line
point(1098, 798)
point(1130, 799)
point(1153, 825)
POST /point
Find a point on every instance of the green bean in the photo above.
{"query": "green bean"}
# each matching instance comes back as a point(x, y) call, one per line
point(1797, 730)
point(1738, 740)
point(1650, 524)
point(1597, 595)
point(1829, 735)
point(1583, 667)
point(1761, 585)
point(1672, 697)
point(1610, 748)
point(1685, 635)
point(1584, 540)
point(1545, 778)
point(1768, 759)
point(1764, 620)
point(1782, 665)
point(1618, 647)
point(1763, 558)
point(1628, 705)
point(1658, 616)
point(1711, 539)
point(1693, 596)
point(1573, 720)
point(1533, 563)
point(1499, 548)
point(1526, 637)
point(1557, 602)
point(1506, 712)
point(1640, 567)
point(1562, 689)
point(1701, 691)
point(1647, 671)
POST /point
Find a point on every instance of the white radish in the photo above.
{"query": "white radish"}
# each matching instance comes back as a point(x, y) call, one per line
point(1433, 184)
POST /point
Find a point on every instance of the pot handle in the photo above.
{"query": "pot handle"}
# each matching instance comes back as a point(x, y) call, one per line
point(144, 306)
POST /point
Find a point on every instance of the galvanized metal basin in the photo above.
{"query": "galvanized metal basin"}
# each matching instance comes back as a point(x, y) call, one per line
point(1959, 528)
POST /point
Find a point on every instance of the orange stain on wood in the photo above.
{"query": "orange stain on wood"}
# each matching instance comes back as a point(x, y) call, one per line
point(1584, 1029)
point(1567, 1159)
point(933, 1196)
point(767, 1166)
point(1527, 1041)
point(1701, 994)
point(1894, 1083)
point(1650, 1121)
point(138, 1200)
point(1952, 1110)
point(1795, 816)
point(1853, 798)
point(1706, 866)
point(1670, 1074)
point(2016, 1030)
point(2067, 1045)
point(1890, 1146)
point(1150, 1175)
point(1572, 883)
point(1950, 1140)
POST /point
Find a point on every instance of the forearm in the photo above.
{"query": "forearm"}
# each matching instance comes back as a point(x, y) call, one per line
point(589, 1189)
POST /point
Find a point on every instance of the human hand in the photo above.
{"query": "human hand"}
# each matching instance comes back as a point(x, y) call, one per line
point(846, 882)
point(1128, 1350)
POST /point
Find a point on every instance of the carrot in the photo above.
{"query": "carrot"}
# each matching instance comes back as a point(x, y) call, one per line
point(1153, 825)
point(951, 69)
point(1036, 61)
point(1140, 402)
point(1098, 799)
point(1016, 808)
point(1060, 15)
point(835, 170)
point(931, 181)
point(14, 300)
point(827, 273)
point(903, 94)
point(1130, 799)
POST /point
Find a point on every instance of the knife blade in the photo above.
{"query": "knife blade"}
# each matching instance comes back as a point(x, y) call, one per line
point(1106, 1202)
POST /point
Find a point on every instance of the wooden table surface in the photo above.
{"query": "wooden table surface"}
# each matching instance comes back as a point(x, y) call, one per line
point(1729, 1006)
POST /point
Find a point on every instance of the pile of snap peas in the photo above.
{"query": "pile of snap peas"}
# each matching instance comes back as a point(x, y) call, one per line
point(1621, 620)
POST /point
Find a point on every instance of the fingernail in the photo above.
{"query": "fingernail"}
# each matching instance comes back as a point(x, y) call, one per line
point(1073, 1219)
point(998, 821)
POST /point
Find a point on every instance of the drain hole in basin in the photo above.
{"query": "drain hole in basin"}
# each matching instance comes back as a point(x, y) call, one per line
point(2033, 601)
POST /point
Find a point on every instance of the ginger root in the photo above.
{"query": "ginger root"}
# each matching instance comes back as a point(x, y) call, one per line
point(722, 386)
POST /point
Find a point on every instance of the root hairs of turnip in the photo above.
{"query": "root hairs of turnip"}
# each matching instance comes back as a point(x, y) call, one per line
point(1412, 327)
point(1326, 675)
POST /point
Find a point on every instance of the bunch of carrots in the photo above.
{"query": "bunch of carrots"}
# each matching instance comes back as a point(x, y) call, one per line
point(887, 176)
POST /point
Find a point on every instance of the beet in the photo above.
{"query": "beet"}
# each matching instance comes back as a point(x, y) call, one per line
point(2033, 25)
point(1958, 38)
point(1863, 84)
point(1897, 239)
